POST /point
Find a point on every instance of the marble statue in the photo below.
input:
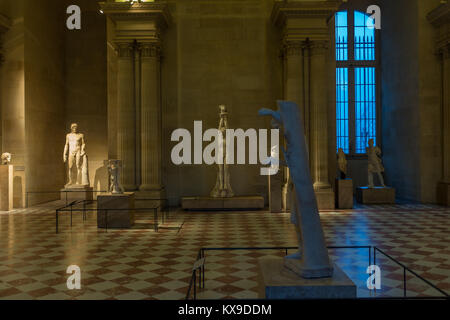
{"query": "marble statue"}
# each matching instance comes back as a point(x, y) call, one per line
point(342, 163)
point(222, 189)
point(312, 260)
point(114, 173)
point(6, 158)
point(76, 157)
point(374, 163)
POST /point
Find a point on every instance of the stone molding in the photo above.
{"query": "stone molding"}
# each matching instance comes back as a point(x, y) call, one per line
point(150, 50)
point(125, 49)
point(440, 19)
point(285, 9)
point(157, 11)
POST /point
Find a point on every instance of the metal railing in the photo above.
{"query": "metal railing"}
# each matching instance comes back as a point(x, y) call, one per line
point(200, 268)
point(70, 208)
point(59, 192)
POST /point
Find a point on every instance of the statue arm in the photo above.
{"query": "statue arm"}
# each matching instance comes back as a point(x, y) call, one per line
point(83, 145)
point(66, 149)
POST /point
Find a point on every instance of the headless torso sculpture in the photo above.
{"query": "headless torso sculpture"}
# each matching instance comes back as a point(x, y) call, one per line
point(222, 189)
point(76, 158)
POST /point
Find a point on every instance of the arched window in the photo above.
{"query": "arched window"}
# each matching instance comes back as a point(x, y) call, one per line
point(356, 81)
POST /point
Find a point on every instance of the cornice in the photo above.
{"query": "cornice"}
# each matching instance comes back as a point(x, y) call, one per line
point(5, 23)
point(440, 15)
point(285, 9)
point(158, 11)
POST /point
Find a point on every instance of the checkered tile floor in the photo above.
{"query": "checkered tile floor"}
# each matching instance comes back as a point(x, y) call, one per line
point(140, 263)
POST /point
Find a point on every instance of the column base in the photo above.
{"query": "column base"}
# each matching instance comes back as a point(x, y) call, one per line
point(325, 199)
point(156, 193)
point(443, 193)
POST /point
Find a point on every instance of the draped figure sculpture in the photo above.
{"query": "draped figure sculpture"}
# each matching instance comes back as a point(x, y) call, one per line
point(375, 164)
point(76, 158)
point(311, 260)
point(222, 188)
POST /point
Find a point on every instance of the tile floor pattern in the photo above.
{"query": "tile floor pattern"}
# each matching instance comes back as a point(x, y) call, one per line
point(141, 264)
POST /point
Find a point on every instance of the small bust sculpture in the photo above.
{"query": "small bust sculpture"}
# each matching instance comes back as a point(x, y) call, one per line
point(114, 174)
point(342, 163)
point(75, 155)
point(374, 163)
point(6, 158)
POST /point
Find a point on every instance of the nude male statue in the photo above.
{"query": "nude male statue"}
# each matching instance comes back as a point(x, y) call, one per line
point(75, 155)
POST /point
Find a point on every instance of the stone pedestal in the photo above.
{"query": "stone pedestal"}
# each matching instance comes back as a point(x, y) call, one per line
point(6, 187)
point(12, 187)
point(121, 218)
point(344, 193)
point(277, 282)
point(376, 195)
point(443, 193)
point(75, 192)
point(325, 199)
point(275, 196)
point(233, 203)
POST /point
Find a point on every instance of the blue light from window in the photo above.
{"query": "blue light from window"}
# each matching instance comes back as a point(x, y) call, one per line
point(364, 37)
point(365, 107)
point(341, 36)
point(342, 117)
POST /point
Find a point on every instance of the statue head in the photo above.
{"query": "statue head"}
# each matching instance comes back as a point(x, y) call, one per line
point(6, 158)
point(74, 128)
point(223, 110)
point(370, 142)
point(341, 152)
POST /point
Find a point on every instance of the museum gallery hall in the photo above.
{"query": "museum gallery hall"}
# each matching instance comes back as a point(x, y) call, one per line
point(224, 149)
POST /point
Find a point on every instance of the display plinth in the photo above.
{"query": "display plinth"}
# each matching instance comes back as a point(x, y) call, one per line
point(344, 193)
point(77, 192)
point(375, 195)
point(325, 199)
point(233, 203)
point(275, 196)
point(277, 282)
point(443, 193)
point(6, 187)
point(122, 218)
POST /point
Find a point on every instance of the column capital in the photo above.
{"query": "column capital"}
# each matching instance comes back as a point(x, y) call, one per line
point(318, 46)
point(150, 49)
point(5, 24)
point(124, 49)
point(293, 48)
point(440, 19)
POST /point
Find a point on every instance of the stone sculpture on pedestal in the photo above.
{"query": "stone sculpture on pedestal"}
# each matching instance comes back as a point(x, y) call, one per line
point(222, 189)
point(312, 260)
point(6, 158)
point(342, 163)
point(76, 158)
point(114, 167)
point(374, 164)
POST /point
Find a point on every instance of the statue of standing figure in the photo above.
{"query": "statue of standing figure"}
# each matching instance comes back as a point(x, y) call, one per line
point(76, 158)
point(114, 172)
point(374, 163)
point(222, 189)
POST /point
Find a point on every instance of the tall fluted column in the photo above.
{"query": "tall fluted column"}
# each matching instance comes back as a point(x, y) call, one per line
point(319, 115)
point(150, 118)
point(446, 112)
point(293, 51)
point(126, 117)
